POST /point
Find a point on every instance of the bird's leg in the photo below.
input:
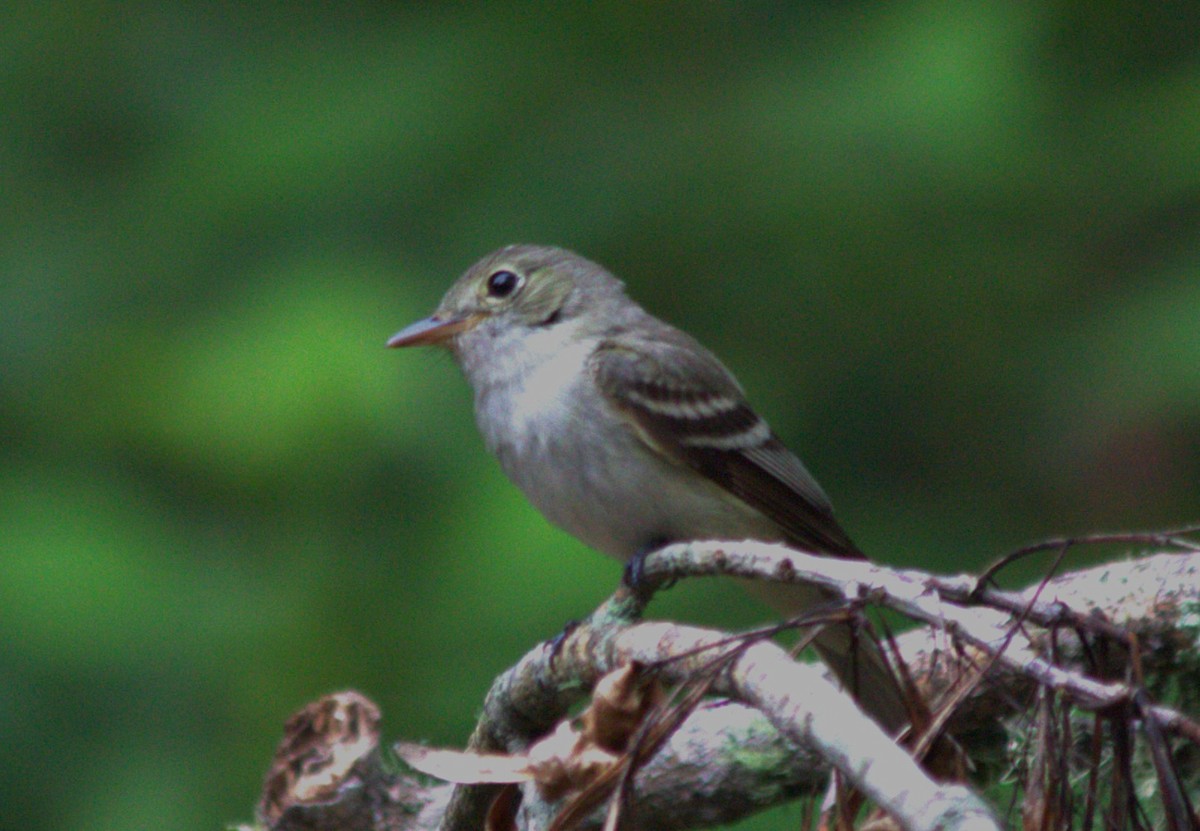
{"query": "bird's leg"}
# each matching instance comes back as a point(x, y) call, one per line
point(634, 575)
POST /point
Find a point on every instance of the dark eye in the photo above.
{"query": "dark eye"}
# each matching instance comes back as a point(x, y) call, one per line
point(502, 283)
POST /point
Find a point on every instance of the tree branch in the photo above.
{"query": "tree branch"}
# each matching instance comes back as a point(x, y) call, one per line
point(728, 760)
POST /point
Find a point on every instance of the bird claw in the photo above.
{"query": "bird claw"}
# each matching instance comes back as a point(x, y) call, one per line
point(556, 644)
point(634, 576)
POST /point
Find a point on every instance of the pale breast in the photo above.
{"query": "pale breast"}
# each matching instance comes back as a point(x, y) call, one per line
point(581, 465)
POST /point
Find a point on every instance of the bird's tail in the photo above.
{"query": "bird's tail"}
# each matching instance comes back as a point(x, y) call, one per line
point(857, 661)
point(852, 655)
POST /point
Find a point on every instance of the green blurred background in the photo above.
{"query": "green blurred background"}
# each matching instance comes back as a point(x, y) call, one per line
point(951, 249)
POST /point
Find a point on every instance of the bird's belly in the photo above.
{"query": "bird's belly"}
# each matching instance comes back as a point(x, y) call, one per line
point(614, 493)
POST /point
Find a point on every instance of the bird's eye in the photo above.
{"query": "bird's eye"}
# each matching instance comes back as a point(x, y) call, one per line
point(502, 283)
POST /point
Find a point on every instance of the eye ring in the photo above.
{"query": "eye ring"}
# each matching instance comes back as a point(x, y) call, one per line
point(502, 284)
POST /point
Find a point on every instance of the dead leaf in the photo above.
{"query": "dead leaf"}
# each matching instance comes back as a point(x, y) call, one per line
point(316, 758)
point(464, 767)
point(619, 705)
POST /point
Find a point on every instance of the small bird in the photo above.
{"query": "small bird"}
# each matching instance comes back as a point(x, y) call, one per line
point(628, 434)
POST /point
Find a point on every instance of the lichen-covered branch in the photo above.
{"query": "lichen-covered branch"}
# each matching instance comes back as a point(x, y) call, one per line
point(786, 726)
point(1148, 598)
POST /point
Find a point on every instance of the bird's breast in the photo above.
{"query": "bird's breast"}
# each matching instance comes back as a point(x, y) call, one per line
point(577, 460)
point(563, 446)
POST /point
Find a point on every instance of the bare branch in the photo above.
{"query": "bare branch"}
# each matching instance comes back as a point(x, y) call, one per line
point(712, 769)
point(957, 607)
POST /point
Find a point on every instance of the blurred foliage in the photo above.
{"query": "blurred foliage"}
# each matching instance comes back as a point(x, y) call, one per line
point(952, 251)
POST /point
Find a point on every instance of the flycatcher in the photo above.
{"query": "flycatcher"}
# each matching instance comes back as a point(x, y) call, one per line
point(627, 433)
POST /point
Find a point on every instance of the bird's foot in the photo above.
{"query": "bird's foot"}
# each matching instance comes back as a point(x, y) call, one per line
point(556, 644)
point(634, 576)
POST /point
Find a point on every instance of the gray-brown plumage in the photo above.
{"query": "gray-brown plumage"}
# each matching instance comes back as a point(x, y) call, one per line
point(627, 433)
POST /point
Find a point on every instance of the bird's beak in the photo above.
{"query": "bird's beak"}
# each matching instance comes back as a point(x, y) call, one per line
point(433, 330)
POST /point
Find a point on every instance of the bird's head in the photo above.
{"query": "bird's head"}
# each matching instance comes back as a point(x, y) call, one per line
point(514, 292)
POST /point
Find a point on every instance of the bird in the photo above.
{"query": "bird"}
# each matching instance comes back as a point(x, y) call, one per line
point(627, 433)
